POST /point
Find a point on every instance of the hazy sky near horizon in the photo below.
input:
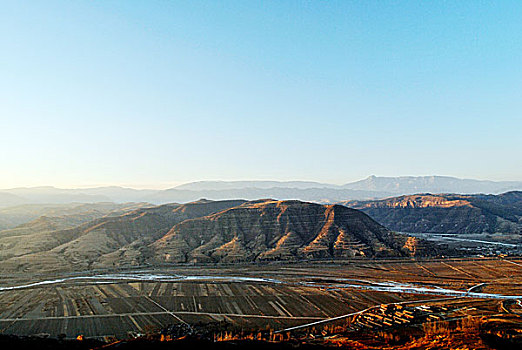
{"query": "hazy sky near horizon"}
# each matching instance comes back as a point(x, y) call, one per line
point(155, 93)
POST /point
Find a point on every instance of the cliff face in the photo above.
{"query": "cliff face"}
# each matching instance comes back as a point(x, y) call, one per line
point(447, 213)
point(280, 230)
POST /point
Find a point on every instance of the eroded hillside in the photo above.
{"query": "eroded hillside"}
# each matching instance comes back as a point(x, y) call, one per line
point(447, 213)
point(204, 232)
point(279, 230)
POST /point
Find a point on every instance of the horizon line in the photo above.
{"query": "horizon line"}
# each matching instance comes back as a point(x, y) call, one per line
point(152, 187)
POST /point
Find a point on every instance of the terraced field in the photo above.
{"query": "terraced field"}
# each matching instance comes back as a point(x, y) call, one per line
point(249, 297)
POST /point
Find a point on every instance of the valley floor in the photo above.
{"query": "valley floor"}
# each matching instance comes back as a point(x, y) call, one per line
point(363, 295)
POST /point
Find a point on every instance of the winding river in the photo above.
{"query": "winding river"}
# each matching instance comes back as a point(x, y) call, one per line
point(309, 281)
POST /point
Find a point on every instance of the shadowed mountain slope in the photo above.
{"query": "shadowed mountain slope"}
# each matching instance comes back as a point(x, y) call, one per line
point(447, 213)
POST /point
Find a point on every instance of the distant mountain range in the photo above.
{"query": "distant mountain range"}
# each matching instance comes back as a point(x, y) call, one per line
point(199, 232)
point(432, 184)
point(53, 195)
point(447, 213)
point(370, 188)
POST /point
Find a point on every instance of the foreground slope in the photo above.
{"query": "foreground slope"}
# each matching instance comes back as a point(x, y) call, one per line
point(447, 213)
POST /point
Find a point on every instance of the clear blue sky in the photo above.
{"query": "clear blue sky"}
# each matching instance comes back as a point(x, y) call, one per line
point(154, 93)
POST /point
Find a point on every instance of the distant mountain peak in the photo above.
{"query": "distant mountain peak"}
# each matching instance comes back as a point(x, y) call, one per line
point(403, 185)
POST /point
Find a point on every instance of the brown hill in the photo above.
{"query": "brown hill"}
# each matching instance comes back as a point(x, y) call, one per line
point(37, 235)
point(280, 230)
point(447, 213)
point(79, 247)
point(14, 216)
point(207, 231)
